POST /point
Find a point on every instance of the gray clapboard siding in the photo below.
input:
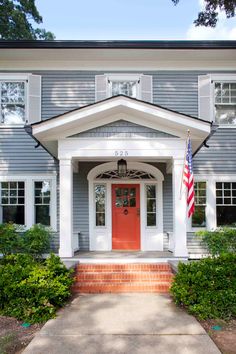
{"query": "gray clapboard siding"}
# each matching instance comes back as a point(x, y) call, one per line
point(66, 90)
point(122, 129)
point(220, 157)
point(194, 244)
point(63, 91)
point(19, 155)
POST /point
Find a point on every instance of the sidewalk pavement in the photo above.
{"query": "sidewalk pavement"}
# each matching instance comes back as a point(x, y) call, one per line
point(122, 323)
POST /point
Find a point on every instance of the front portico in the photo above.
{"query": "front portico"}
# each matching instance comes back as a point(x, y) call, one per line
point(155, 156)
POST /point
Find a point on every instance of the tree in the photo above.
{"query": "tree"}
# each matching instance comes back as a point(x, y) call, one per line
point(209, 16)
point(16, 17)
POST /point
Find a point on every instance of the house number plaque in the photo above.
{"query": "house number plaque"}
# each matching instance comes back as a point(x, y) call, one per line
point(121, 153)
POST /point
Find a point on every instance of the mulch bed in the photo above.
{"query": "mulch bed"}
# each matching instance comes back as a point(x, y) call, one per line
point(13, 337)
point(224, 335)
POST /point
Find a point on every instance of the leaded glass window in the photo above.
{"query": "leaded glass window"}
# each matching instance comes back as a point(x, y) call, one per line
point(151, 204)
point(100, 204)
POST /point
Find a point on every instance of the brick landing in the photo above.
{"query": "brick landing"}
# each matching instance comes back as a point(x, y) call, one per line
point(123, 278)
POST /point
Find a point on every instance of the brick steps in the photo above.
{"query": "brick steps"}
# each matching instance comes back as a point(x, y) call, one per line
point(122, 278)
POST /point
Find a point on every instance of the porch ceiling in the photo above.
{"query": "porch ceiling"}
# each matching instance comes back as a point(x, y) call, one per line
point(115, 108)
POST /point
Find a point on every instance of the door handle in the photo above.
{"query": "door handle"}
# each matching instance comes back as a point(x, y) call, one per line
point(126, 212)
point(138, 211)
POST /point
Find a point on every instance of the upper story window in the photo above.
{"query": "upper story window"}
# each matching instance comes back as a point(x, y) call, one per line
point(217, 98)
point(12, 94)
point(127, 88)
point(133, 85)
point(20, 99)
point(225, 102)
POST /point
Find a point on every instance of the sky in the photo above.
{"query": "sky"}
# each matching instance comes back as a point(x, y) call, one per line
point(129, 19)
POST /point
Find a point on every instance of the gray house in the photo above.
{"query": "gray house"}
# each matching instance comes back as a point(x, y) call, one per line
point(93, 140)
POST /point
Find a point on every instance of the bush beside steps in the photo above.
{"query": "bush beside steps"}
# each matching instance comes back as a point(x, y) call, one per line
point(31, 289)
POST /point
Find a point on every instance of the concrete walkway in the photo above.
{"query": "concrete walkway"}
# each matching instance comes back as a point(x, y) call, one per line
point(122, 323)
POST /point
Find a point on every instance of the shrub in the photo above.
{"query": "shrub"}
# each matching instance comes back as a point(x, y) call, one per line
point(36, 240)
point(9, 239)
point(32, 291)
point(219, 241)
point(207, 288)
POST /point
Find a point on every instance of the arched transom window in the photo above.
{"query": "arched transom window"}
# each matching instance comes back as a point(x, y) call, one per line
point(131, 174)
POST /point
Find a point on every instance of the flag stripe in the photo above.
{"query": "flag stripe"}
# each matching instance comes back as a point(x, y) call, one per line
point(188, 179)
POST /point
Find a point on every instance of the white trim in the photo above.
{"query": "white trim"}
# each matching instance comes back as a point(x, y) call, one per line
point(29, 196)
point(103, 112)
point(66, 208)
point(101, 237)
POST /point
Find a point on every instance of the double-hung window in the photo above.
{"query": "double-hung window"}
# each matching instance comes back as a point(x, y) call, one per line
point(27, 200)
point(13, 202)
point(42, 201)
point(225, 102)
point(20, 99)
point(199, 216)
point(13, 102)
point(132, 85)
point(217, 98)
point(226, 203)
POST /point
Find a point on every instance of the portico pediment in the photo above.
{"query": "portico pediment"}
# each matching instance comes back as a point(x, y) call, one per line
point(159, 122)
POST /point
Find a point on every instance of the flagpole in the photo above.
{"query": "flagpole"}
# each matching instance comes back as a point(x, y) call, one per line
point(181, 187)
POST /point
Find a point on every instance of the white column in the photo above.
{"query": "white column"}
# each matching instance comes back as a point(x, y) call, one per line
point(66, 208)
point(211, 204)
point(179, 211)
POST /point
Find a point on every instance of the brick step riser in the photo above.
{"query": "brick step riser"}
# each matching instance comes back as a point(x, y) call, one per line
point(116, 288)
point(123, 277)
point(119, 268)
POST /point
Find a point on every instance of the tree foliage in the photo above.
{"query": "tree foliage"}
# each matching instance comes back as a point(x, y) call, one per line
point(208, 17)
point(17, 18)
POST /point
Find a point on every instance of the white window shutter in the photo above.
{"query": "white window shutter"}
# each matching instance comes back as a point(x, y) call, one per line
point(101, 87)
point(34, 99)
point(146, 88)
point(205, 99)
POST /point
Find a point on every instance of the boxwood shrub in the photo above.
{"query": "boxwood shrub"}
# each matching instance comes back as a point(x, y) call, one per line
point(15, 239)
point(207, 288)
point(33, 290)
point(219, 241)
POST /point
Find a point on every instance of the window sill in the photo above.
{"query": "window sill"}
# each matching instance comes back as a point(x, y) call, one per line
point(12, 125)
point(227, 126)
point(195, 229)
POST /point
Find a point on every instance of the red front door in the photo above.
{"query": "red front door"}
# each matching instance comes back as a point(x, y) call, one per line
point(125, 217)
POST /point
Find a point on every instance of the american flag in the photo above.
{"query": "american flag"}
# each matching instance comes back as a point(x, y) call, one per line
point(188, 179)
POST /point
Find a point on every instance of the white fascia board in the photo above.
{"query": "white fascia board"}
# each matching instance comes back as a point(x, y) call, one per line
point(59, 127)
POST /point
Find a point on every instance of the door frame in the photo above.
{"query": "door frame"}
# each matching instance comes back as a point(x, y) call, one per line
point(137, 186)
point(100, 237)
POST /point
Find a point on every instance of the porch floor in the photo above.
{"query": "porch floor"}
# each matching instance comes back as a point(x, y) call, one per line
point(121, 257)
